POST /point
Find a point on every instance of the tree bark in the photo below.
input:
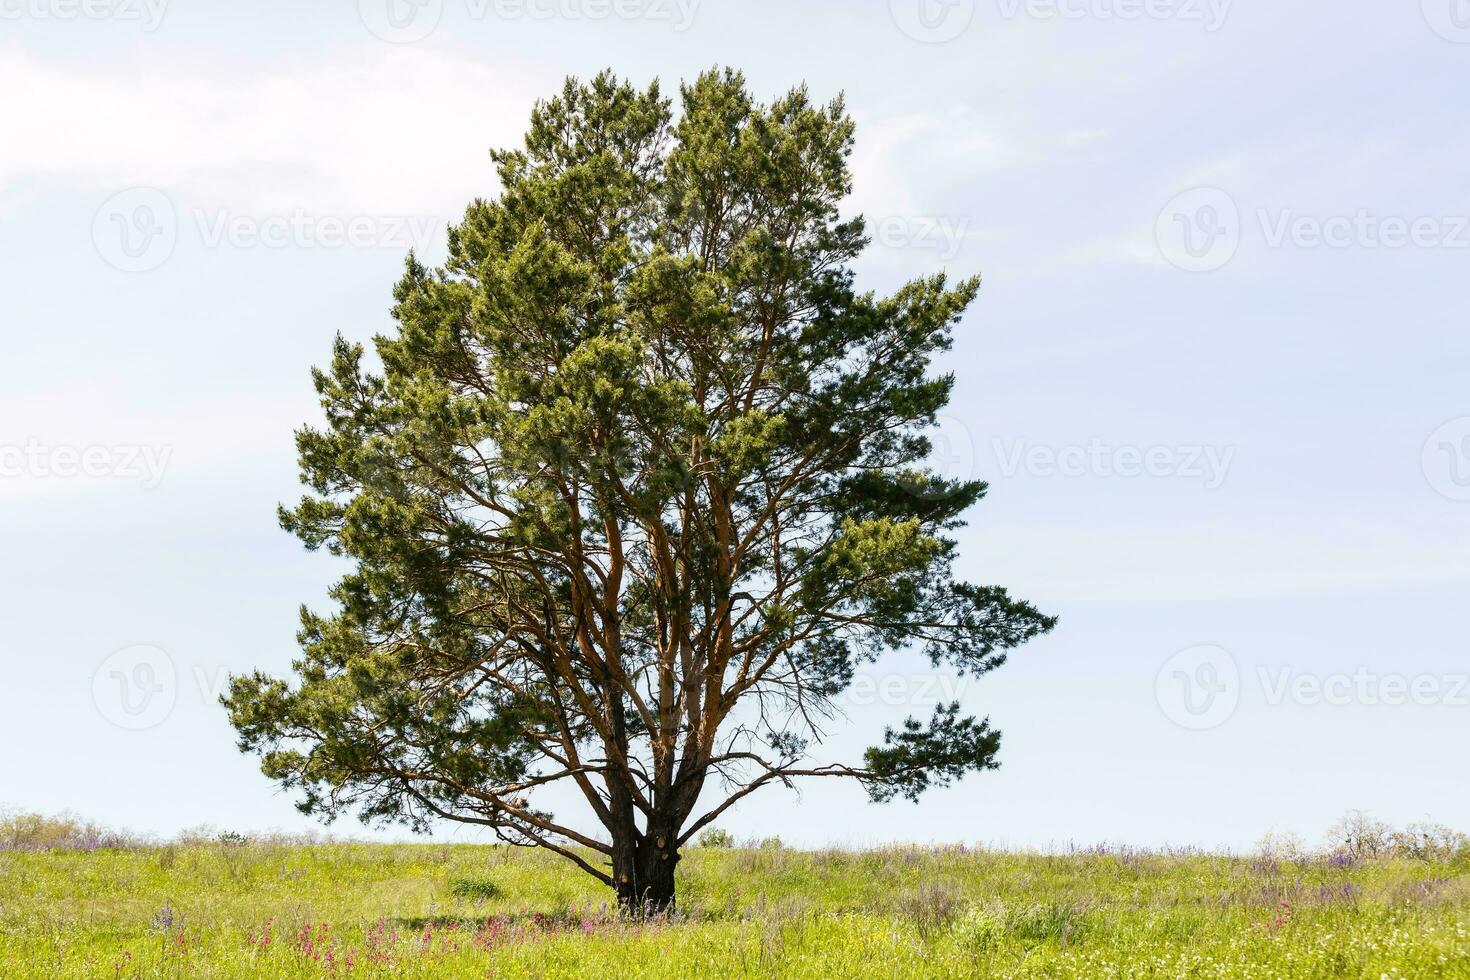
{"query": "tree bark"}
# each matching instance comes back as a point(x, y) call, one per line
point(643, 872)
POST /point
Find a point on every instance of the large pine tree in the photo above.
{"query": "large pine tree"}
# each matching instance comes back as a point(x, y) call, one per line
point(636, 487)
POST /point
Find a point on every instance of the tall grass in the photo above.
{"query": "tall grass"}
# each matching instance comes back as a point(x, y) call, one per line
point(225, 906)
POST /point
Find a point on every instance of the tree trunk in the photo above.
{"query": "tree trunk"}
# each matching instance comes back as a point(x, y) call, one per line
point(643, 873)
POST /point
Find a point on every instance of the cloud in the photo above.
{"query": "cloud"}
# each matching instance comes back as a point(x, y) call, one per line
point(371, 129)
point(898, 155)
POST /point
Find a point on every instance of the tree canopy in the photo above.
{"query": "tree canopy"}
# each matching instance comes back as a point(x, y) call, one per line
point(631, 492)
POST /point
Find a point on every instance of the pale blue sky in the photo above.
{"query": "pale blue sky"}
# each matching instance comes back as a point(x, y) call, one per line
point(1219, 375)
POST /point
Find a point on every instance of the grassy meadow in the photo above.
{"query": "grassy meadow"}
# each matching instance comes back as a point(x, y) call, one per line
point(231, 907)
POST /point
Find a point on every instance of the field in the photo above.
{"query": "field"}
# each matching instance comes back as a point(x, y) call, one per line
point(232, 907)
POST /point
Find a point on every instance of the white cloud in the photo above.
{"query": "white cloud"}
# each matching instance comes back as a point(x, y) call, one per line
point(895, 152)
point(373, 129)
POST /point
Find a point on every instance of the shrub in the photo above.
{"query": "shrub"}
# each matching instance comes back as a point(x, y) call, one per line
point(63, 832)
point(1359, 836)
point(715, 837)
point(1429, 842)
point(1277, 846)
point(474, 888)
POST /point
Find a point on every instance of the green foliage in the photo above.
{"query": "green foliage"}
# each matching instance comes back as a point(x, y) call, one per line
point(715, 837)
point(638, 457)
point(474, 887)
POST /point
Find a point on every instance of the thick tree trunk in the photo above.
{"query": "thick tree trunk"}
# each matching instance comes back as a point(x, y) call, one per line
point(643, 873)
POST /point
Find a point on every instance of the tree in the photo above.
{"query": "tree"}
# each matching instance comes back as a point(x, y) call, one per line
point(635, 488)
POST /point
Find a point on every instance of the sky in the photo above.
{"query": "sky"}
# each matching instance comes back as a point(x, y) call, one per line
point(1218, 377)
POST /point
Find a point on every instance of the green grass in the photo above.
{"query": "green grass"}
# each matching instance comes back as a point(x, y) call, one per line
point(208, 910)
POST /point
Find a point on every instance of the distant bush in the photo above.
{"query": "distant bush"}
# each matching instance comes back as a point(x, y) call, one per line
point(770, 844)
point(69, 832)
point(472, 887)
point(1278, 846)
point(205, 835)
point(715, 837)
point(63, 832)
point(1360, 837)
point(1429, 842)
